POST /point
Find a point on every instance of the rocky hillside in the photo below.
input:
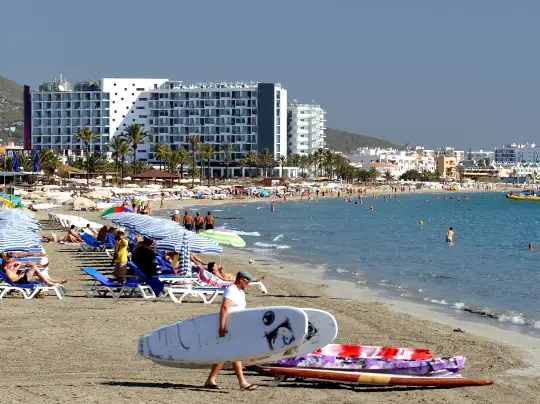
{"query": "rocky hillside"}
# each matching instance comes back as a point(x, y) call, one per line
point(11, 110)
point(342, 141)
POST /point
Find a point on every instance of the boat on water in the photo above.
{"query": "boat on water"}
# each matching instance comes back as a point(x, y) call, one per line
point(524, 196)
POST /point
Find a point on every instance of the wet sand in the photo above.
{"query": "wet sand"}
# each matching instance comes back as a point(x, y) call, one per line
point(84, 350)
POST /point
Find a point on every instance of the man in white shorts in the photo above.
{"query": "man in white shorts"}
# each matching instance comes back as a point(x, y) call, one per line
point(234, 299)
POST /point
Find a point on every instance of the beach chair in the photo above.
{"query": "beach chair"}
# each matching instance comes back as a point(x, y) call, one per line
point(178, 292)
point(30, 290)
point(90, 243)
point(207, 278)
point(103, 285)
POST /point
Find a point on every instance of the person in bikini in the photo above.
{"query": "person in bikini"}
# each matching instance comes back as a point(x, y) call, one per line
point(188, 221)
point(210, 222)
point(225, 276)
point(25, 273)
point(199, 222)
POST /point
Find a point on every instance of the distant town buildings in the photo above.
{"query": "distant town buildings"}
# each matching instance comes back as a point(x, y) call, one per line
point(517, 153)
point(305, 128)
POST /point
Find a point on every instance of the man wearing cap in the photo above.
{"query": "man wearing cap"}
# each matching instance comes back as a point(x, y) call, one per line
point(234, 299)
point(176, 216)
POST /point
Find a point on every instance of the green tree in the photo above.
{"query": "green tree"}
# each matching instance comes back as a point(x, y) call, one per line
point(86, 136)
point(49, 161)
point(282, 160)
point(194, 143)
point(227, 150)
point(119, 147)
point(134, 135)
point(388, 176)
point(266, 160)
point(161, 152)
point(251, 160)
point(178, 158)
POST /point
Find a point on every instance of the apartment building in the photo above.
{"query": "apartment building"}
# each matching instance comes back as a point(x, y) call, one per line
point(305, 128)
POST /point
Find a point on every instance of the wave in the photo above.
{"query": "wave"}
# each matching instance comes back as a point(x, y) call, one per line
point(278, 237)
point(247, 233)
point(267, 245)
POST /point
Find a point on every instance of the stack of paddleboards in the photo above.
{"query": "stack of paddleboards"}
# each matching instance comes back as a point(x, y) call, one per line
point(372, 365)
point(259, 335)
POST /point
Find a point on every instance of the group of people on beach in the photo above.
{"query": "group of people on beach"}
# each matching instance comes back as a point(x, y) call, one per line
point(198, 222)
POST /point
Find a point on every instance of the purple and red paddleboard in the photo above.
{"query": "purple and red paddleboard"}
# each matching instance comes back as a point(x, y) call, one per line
point(375, 352)
point(396, 366)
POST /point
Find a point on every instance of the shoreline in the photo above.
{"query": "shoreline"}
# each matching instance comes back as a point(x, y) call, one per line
point(91, 343)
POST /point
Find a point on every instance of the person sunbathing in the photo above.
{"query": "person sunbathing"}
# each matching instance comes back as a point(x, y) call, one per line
point(225, 276)
point(196, 260)
point(31, 273)
point(72, 236)
point(102, 234)
point(90, 231)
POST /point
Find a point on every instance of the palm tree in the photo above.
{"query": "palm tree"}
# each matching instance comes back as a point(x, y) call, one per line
point(135, 136)
point(210, 151)
point(242, 164)
point(183, 159)
point(266, 160)
point(227, 149)
point(116, 146)
point(95, 162)
point(388, 176)
point(161, 152)
point(461, 171)
point(194, 142)
point(123, 150)
point(303, 162)
point(86, 135)
point(49, 161)
point(282, 160)
point(251, 160)
point(201, 153)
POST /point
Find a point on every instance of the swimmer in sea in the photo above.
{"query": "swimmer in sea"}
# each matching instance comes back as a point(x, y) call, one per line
point(450, 235)
point(273, 206)
point(371, 207)
point(531, 247)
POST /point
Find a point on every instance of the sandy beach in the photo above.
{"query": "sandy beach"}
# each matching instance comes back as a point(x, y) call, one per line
point(84, 350)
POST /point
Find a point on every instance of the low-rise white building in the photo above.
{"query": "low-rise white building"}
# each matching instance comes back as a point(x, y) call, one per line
point(305, 128)
point(397, 162)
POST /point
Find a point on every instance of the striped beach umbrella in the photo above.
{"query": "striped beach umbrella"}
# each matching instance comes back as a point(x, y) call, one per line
point(13, 242)
point(20, 233)
point(196, 244)
point(185, 261)
point(224, 237)
point(116, 209)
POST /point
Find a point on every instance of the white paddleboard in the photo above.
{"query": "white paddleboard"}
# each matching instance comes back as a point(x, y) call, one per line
point(322, 330)
point(256, 333)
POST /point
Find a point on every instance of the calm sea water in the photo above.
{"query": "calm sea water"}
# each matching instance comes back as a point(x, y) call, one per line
point(488, 270)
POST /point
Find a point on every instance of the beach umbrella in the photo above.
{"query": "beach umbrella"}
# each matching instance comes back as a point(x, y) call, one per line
point(224, 237)
point(21, 233)
point(185, 260)
point(80, 203)
point(11, 241)
point(116, 209)
point(196, 243)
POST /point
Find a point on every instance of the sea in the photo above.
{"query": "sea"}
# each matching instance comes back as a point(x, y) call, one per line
point(399, 247)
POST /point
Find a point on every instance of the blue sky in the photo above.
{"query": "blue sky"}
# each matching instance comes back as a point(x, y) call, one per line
point(461, 72)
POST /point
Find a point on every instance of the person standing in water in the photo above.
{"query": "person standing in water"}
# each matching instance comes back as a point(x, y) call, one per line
point(234, 299)
point(209, 221)
point(176, 216)
point(199, 222)
point(450, 235)
point(273, 206)
point(188, 221)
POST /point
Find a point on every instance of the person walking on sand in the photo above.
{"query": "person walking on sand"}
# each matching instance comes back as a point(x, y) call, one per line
point(450, 235)
point(234, 299)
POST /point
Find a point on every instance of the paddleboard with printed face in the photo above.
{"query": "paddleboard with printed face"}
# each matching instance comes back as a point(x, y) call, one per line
point(322, 330)
point(252, 334)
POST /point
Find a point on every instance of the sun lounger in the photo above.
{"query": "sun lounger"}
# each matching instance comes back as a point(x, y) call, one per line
point(103, 285)
point(90, 243)
point(30, 290)
point(179, 292)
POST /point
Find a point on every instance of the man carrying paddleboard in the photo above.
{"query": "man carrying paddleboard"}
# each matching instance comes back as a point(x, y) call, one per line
point(234, 299)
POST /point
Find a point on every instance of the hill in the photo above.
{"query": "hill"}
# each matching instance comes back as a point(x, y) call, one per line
point(11, 109)
point(342, 141)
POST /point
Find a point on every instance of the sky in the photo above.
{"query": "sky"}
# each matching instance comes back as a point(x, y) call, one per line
point(456, 73)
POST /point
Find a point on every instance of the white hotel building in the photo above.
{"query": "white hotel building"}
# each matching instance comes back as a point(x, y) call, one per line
point(394, 161)
point(305, 128)
point(252, 116)
point(517, 153)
